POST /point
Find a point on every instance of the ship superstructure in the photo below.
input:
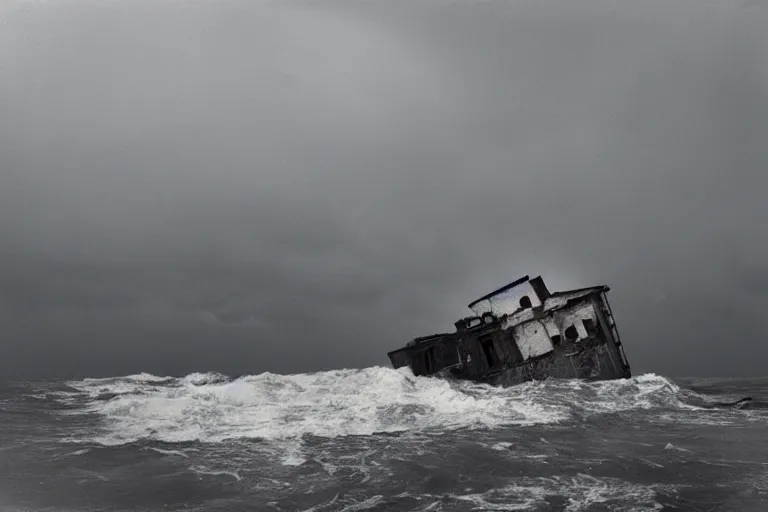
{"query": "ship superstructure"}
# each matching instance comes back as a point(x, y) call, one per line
point(522, 332)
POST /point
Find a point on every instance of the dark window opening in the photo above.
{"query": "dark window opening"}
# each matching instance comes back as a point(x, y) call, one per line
point(449, 355)
point(525, 302)
point(486, 343)
point(590, 327)
point(429, 360)
point(556, 340)
point(571, 334)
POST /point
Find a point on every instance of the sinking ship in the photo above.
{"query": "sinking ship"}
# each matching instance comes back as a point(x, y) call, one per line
point(522, 332)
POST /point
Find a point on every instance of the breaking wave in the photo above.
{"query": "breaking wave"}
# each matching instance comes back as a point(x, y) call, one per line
point(582, 492)
point(210, 407)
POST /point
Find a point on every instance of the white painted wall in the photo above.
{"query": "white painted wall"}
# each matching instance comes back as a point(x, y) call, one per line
point(508, 301)
point(532, 339)
point(573, 316)
point(551, 326)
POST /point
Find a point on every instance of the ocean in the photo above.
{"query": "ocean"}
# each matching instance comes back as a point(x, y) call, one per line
point(381, 439)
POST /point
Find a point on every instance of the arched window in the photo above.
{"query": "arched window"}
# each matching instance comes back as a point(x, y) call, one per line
point(571, 334)
point(525, 302)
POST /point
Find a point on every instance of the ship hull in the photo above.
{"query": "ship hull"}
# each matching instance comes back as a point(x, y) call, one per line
point(598, 362)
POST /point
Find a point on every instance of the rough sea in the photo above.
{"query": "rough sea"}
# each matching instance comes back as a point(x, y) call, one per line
point(381, 439)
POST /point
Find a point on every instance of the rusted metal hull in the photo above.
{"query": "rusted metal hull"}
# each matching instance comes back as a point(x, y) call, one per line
point(599, 362)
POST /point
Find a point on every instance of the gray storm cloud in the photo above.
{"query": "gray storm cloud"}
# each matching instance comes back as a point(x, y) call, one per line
point(251, 186)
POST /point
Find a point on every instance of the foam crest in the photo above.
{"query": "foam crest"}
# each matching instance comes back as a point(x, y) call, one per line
point(210, 407)
point(583, 492)
point(138, 378)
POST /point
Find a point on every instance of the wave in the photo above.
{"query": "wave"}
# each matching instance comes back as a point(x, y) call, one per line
point(581, 492)
point(211, 407)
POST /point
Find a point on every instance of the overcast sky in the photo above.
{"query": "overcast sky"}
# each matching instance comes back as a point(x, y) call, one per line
point(248, 186)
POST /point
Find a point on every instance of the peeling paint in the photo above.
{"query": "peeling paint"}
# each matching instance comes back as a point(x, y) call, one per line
point(574, 316)
point(532, 339)
point(507, 302)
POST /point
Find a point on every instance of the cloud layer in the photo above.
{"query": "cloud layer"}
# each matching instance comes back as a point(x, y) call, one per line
point(250, 186)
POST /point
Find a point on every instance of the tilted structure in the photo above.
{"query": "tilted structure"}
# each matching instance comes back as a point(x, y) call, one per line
point(522, 332)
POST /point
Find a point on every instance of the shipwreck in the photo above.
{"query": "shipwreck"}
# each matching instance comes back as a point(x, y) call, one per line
point(522, 332)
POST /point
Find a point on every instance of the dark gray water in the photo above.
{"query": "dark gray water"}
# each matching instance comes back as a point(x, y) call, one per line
point(379, 439)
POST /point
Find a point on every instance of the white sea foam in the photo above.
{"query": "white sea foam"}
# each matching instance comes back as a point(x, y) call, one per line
point(177, 453)
point(354, 506)
point(582, 492)
point(209, 407)
point(138, 378)
point(574, 493)
point(203, 470)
